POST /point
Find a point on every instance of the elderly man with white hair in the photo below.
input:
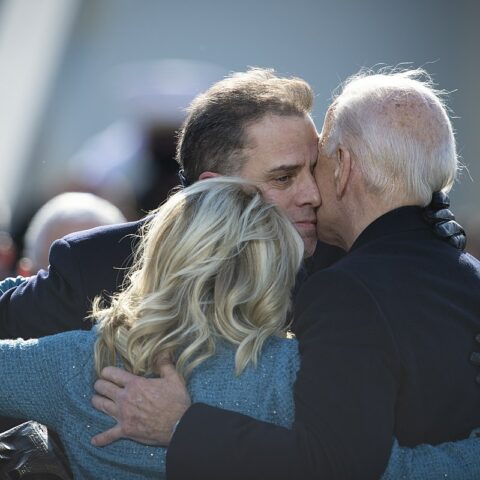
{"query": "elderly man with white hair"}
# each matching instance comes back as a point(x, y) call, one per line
point(385, 332)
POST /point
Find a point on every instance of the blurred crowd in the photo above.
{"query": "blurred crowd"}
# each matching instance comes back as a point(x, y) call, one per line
point(121, 173)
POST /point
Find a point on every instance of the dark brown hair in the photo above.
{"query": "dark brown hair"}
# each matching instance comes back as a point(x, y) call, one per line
point(213, 136)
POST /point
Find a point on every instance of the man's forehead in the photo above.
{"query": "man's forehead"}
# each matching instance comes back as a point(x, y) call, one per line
point(279, 144)
point(272, 125)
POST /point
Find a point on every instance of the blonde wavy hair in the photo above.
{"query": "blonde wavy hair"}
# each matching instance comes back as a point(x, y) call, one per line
point(214, 262)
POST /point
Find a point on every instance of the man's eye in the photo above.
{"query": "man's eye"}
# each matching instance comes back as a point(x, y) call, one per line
point(283, 179)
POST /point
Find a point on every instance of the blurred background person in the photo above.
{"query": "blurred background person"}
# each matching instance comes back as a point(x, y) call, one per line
point(131, 162)
point(63, 214)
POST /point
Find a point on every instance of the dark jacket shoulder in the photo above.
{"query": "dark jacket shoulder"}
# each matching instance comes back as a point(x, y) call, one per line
point(82, 265)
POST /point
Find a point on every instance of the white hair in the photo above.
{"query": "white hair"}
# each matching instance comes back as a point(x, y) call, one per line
point(397, 127)
point(215, 262)
point(63, 214)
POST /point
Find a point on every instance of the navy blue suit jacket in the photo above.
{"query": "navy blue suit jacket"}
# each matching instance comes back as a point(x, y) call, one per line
point(82, 266)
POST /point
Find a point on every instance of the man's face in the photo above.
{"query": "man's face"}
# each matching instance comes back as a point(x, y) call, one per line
point(328, 210)
point(281, 156)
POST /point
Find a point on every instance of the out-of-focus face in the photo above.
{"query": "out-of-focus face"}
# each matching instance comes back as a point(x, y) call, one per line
point(281, 157)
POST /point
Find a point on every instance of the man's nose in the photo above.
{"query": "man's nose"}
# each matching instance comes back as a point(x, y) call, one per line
point(308, 193)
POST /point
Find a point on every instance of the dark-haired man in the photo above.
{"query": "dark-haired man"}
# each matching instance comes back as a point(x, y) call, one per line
point(252, 124)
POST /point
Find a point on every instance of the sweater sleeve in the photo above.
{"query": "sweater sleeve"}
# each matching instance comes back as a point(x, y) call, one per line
point(11, 282)
point(452, 460)
point(34, 374)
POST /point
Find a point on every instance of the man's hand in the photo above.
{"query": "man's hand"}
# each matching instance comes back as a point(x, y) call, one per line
point(146, 409)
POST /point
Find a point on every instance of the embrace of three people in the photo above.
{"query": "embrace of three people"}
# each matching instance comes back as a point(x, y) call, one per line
point(189, 371)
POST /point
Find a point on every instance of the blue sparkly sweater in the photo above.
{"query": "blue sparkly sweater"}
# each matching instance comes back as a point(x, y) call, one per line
point(51, 380)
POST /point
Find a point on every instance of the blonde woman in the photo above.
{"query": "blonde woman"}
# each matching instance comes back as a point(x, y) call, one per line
point(210, 288)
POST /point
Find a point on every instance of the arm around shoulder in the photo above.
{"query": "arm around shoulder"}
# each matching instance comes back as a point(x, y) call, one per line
point(46, 303)
point(82, 266)
point(453, 460)
point(344, 415)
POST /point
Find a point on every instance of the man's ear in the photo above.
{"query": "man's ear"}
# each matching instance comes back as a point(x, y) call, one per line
point(343, 171)
point(205, 175)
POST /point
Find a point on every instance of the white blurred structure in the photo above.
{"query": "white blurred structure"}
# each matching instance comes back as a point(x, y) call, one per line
point(32, 41)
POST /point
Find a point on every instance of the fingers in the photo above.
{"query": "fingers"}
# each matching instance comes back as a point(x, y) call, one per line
point(163, 357)
point(117, 375)
point(107, 389)
point(105, 405)
point(105, 438)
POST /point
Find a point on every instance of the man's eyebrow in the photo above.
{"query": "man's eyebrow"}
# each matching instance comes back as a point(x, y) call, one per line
point(284, 168)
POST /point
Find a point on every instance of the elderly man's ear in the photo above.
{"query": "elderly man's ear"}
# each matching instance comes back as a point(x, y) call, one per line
point(343, 171)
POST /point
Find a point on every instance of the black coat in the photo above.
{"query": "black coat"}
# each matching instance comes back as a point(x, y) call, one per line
point(385, 335)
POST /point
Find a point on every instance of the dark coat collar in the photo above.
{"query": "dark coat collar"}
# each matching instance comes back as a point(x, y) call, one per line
point(399, 220)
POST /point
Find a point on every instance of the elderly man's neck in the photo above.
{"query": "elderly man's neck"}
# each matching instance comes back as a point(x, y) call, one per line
point(362, 212)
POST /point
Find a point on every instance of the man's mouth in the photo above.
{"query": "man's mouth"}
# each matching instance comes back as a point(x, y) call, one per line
point(306, 224)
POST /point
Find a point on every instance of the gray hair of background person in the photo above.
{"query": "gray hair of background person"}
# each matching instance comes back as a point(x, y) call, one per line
point(397, 127)
point(213, 136)
point(64, 214)
point(216, 261)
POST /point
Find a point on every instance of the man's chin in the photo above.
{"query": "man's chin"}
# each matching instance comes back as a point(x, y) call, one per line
point(309, 244)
